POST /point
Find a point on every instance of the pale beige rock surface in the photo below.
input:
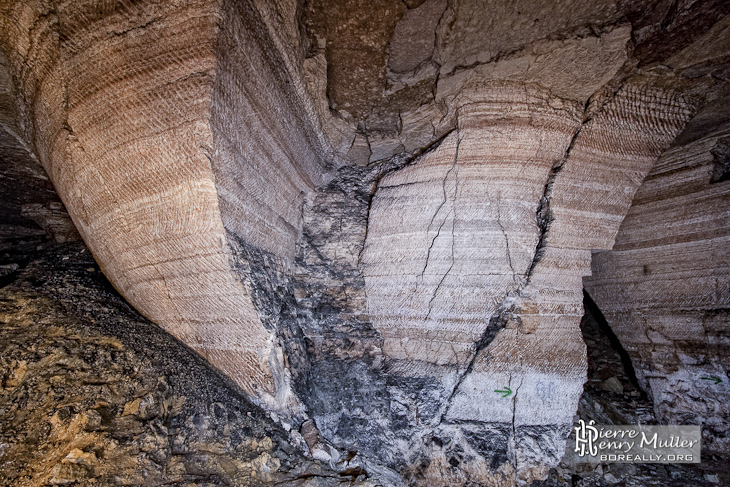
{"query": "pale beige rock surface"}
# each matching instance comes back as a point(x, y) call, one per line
point(122, 108)
point(373, 216)
point(663, 287)
point(455, 253)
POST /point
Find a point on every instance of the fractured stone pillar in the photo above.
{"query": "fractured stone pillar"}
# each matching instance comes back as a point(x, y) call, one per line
point(475, 256)
point(451, 242)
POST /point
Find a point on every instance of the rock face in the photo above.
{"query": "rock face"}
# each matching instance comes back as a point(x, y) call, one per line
point(663, 288)
point(445, 273)
point(373, 218)
point(91, 393)
point(167, 125)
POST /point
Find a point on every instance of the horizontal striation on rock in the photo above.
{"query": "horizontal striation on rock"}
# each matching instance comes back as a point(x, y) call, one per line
point(664, 287)
point(137, 119)
point(475, 255)
point(449, 236)
point(609, 159)
point(266, 154)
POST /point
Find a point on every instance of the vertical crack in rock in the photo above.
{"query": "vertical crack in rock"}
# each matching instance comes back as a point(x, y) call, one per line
point(513, 439)
point(390, 166)
point(438, 210)
point(506, 240)
point(543, 214)
point(455, 169)
point(595, 105)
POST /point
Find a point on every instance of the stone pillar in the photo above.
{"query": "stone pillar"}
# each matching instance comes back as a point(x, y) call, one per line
point(664, 288)
point(165, 128)
point(475, 256)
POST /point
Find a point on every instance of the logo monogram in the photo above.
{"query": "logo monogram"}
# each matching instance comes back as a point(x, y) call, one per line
point(585, 436)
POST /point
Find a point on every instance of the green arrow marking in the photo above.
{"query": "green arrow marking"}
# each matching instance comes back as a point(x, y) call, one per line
point(506, 391)
point(713, 378)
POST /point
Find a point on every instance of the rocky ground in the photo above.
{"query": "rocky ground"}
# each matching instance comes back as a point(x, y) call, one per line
point(91, 393)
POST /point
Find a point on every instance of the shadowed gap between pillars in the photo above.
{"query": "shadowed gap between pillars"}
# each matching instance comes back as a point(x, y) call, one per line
point(592, 308)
